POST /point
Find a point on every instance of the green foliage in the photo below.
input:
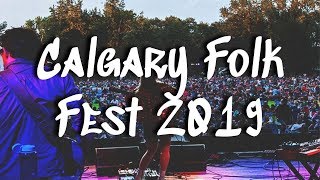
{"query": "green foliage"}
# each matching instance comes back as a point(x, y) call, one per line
point(3, 26)
point(294, 25)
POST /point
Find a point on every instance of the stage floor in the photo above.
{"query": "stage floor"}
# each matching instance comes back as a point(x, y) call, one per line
point(238, 168)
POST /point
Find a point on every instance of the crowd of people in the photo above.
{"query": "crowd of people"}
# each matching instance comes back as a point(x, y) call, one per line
point(289, 104)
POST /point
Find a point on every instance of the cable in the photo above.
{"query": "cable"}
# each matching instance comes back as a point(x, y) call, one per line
point(251, 177)
point(279, 169)
point(86, 168)
point(272, 167)
point(219, 176)
point(224, 163)
point(272, 162)
point(228, 163)
point(254, 167)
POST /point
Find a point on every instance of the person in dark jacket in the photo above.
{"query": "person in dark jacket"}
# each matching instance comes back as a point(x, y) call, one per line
point(21, 49)
point(284, 114)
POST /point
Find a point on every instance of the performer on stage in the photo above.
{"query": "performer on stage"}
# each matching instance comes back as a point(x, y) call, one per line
point(150, 94)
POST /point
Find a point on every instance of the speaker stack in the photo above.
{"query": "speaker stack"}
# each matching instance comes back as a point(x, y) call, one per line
point(184, 158)
point(187, 158)
point(110, 159)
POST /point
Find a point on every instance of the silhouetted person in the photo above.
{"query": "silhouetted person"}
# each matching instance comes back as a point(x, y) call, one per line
point(18, 122)
point(150, 93)
point(284, 114)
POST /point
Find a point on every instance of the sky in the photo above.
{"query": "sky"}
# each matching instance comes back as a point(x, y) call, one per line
point(16, 12)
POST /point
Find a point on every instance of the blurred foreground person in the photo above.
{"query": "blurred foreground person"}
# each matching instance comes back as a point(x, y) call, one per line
point(30, 147)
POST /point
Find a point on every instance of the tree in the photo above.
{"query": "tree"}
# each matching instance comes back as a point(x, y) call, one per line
point(70, 13)
point(119, 20)
point(294, 25)
point(3, 26)
point(30, 24)
point(64, 17)
point(121, 29)
point(243, 18)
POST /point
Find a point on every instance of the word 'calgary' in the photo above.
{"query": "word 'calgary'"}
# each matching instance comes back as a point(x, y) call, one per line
point(107, 64)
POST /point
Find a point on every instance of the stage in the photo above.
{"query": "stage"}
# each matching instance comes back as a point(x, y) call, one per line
point(203, 159)
point(228, 166)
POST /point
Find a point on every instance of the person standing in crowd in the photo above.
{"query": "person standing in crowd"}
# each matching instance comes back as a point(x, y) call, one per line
point(18, 123)
point(284, 114)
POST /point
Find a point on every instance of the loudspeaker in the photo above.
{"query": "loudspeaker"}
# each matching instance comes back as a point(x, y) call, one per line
point(110, 159)
point(190, 157)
